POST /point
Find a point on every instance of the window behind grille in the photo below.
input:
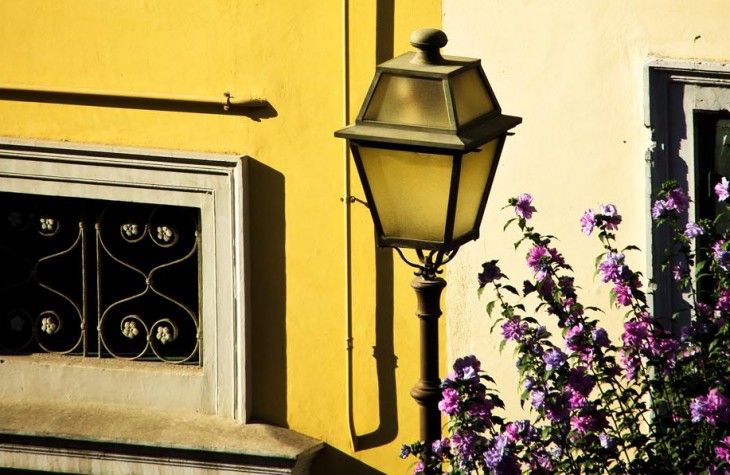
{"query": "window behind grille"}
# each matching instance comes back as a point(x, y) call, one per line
point(99, 278)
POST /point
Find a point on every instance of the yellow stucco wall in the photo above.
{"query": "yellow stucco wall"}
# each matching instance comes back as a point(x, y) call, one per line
point(292, 54)
point(574, 70)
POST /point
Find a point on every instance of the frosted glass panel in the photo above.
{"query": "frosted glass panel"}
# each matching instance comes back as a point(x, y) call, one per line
point(470, 96)
point(411, 192)
point(409, 101)
point(475, 168)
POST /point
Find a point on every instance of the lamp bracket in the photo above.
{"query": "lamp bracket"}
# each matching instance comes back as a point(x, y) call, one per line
point(430, 264)
point(354, 199)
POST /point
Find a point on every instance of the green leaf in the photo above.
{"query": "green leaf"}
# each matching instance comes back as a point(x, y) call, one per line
point(511, 289)
point(490, 307)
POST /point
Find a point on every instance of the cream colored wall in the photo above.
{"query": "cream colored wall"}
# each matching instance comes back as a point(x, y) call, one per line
point(291, 54)
point(574, 71)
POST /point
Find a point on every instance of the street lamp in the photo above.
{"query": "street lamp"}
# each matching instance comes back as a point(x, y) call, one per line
point(426, 144)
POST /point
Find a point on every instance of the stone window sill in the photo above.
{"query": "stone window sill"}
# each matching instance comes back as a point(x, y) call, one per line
point(88, 439)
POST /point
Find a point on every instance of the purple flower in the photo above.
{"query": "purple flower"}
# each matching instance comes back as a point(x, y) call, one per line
point(588, 222)
point(490, 272)
point(556, 409)
point(465, 443)
point(600, 337)
point(499, 457)
point(692, 230)
point(611, 267)
point(677, 200)
point(722, 190)
point(631, 362)
point(576, 400)
point(514, 329)
point(577, 340)
point(520, 430)
point(581, 423)
point(721, 256)
point(635, 334)
point(659, 209)
point(589, 420)
point(606, 441)
point(610, 216)
point(664, 346)
point(722, 451)
point(679, 270)
point(449, 403)
point(623, 294)
point(440, 446)
point(539, 261)
point(580, 382)
point(467, 367)
point(723, 301)
point(419, 468)
point(405, 451)
point(482, 410)
point(537, 399)
point(523, 206)
point(713, 408)
point(554, 358)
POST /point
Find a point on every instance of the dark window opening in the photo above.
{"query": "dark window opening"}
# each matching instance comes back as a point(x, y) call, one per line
point(712, 162)
point(100, 278)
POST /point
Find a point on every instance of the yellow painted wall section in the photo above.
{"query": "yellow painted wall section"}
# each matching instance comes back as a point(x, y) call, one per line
point(291, 53)
point(574, 70)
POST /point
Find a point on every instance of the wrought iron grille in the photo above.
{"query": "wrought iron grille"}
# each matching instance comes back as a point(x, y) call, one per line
point(99, 278)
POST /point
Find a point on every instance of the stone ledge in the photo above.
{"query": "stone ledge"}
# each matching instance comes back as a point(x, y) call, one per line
point(86, 439)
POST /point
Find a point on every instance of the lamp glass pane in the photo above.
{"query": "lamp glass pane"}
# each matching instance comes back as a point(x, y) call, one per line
point(471, 96)
point(410, 191)
point(475, 168)
point(409, 101)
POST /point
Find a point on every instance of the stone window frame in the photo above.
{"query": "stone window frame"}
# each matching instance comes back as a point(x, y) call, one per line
point(214, 183)
point(674, 91)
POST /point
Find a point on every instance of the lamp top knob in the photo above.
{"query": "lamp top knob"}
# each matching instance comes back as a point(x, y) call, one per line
point(428, 41)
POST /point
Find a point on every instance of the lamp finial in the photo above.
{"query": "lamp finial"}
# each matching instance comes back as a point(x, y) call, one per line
point(428, 41)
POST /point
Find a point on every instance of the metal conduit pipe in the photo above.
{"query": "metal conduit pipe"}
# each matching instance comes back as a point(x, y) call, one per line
point(347, 214)
point(226, 101)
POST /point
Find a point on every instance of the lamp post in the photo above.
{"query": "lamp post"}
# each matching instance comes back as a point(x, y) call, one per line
point(426, 145)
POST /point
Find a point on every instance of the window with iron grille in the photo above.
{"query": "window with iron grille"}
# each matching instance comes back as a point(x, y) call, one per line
point(92, 277)
point(123, 277)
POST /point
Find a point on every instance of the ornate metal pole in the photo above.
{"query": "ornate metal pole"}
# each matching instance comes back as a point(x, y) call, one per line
point(427, 390)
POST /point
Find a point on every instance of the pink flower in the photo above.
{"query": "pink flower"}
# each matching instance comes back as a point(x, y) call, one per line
point(449, 403)
point(722, 451)
point(722, 190)
point(588, 222)
point(713, 408)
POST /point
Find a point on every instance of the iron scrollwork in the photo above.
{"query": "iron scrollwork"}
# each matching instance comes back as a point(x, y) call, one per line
point(128, 290)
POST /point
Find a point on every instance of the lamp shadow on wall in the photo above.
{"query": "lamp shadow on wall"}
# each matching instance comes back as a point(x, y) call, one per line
point(384, 353)
point(332, 461)
point(268, 294)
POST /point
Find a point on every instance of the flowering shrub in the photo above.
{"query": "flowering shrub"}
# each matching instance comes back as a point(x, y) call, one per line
point(652, 401)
